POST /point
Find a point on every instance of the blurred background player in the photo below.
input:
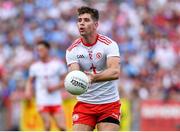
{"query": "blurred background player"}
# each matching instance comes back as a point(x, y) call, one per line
point(98, 56)
point(47, 75)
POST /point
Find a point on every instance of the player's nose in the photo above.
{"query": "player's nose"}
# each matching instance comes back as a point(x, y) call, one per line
point(82, 24)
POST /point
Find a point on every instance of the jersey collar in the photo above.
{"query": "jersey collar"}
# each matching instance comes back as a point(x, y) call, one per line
point(89, 45)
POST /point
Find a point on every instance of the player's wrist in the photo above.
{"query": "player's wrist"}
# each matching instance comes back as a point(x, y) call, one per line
point(94, 78)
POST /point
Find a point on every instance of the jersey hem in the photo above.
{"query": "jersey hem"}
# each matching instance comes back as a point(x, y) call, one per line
point(89, 102)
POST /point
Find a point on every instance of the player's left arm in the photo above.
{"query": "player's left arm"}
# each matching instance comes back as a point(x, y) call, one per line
point(62, 71)
point(111, 73)
point(59, 85)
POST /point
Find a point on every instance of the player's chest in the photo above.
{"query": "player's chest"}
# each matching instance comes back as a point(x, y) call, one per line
point(46, 71)
point(90, 55)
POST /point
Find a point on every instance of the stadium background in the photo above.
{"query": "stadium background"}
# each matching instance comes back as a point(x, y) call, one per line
point(148, 35)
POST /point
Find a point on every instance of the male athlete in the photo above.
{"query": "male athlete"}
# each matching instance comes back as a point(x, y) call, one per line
point(47, 75)
point(97, 56)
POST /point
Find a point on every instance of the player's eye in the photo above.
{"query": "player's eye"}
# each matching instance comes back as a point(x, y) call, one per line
point(86, 19)
point(80, 19)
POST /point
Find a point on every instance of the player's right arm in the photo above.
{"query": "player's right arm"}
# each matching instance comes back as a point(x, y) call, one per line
point(29, 83)
point(29, 88)
point(73, 66)
point(72, 61)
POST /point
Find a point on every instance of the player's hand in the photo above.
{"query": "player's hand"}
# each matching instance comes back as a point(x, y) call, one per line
point(51, 89)
point(28, 96)
point(91, 77)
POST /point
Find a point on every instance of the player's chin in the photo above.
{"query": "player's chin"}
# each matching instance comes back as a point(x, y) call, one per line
point(82, 33)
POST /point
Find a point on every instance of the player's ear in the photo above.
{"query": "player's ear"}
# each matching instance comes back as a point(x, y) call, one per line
point(96, 24)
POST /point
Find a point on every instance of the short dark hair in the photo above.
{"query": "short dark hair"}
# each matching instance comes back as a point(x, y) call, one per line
point(44, 43)
point(93, 12)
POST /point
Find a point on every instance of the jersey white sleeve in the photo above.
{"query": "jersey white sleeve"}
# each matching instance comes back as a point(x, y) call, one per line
point(71, 57)
point(113, 50)
point(62, 68)
point(32, 71)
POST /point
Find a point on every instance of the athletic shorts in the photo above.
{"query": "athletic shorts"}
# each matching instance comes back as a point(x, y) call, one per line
point(91, 114)
point(50, 109)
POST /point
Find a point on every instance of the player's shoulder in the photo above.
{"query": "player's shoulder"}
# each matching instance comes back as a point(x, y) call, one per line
point(57, 60)
point(105, 39)
point(74, 44)
point(35, 64)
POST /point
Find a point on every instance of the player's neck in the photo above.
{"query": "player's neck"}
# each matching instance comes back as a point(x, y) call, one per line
point(90, 40)
point(45, 59)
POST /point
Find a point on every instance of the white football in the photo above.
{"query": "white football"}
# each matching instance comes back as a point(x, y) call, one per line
point(76, 82)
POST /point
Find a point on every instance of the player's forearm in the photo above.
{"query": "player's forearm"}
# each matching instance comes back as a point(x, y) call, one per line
point(56, 87)
point(59, 86)
point(107, 75)
point(28, 89)
point(73, 67)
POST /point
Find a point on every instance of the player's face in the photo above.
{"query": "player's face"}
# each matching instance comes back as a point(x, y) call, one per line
point(42, 51)
point(86, 24)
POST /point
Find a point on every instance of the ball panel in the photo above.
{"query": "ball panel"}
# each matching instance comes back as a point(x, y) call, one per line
point(76, 82)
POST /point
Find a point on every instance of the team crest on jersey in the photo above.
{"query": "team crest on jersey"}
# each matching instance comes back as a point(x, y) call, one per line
point(75, 117)
point(80, 56)
point(98, 55)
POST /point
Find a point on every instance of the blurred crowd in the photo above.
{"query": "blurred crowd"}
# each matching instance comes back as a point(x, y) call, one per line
point(147, 32)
